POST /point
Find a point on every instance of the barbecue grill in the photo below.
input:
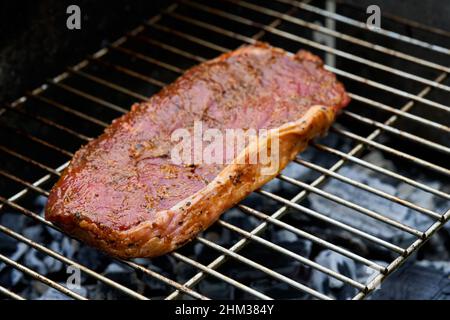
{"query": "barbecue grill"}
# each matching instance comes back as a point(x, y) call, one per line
point(398, 84)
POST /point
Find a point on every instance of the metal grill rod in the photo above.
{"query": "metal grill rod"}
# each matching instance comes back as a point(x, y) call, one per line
point(47, 122)
point(38, 140)
point(88, 96)
point(368, 188)
point(290, 36)
point(398, 112)
point(266, 270)
point(10, 294)
point(325, 48)
point(343, 202)
point(25, 183)
point(220, 276)
point(400, 260)
point(354, 96)
point(386, 149)
point(376, 168)
point(325, 243)
point(398, 132)
point(361, 25)
point(404, 21)
point(29, 160)
point(67, 109)
point(108, 84)
point(67, 261)
point(41, 278)
point(293, 255)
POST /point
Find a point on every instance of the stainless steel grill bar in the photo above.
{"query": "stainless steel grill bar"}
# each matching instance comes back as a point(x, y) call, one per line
point(38, 140)
point(351, 205)
point(384, 87)
point(293, 255)
point(397, 112)
point(129, 72)
point(361, 25)
point(10, 294)
point(370, 189)
point(88, 96)
point(400, 154)
point(47, 122)
point(167, 47)
point(317, 45)
point(398, 132)
point(166, 280)
point(108, 84)
point(290, 36)
point(354, 96)
point(70, 262)
point(325, 243)
point(148, 59)
point(400, 260)
point(382, 170)
point(404, 21)
point(29, 160)
point(266, 270)
point(25, 183)
point(220, 276)
point(69, 110)
point(41, 278)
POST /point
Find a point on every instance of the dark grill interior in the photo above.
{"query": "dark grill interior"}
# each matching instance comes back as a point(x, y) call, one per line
point(369, 194)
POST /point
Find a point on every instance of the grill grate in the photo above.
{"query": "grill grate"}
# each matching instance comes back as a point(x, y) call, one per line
point(47, 125)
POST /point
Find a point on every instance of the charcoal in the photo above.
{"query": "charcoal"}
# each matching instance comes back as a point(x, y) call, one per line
point(330, 285)
point(277, 289)
point(35, 260)
point(417, 281)
point(35, 233)
point(21, 249)
point(14, 222)
point(216, 289)
point(370, 201)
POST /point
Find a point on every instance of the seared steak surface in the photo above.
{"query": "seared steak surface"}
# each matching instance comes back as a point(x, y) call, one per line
point(123, 193)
